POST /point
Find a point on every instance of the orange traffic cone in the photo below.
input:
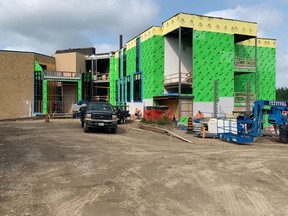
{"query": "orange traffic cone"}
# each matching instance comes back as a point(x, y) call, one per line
point(203, 134)
point(190, 125)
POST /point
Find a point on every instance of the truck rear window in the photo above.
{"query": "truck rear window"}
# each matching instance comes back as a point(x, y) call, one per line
point(99, 106)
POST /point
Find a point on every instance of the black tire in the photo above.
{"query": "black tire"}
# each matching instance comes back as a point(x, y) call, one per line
point(277, 129)
point(82, 124)
point(74, 115)
point(85, 128)
point(114, 130)
point(283, 136)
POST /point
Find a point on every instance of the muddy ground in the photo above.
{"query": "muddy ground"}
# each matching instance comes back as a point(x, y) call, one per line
point(56, 169)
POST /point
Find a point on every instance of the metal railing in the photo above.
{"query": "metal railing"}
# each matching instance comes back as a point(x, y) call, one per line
point(174, 78)
point(61, 74)
point(241, 97)
point(244, 63)
point(240, 101)
point(102, 77)
point(101, 97)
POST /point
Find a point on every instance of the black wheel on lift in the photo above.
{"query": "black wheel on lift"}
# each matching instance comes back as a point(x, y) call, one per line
point(283, 136)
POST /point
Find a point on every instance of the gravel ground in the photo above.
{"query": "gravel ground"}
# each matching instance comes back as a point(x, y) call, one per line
point(56, 169)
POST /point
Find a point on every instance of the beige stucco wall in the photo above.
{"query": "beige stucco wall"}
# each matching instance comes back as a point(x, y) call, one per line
point(80, 63)
point(70, 62)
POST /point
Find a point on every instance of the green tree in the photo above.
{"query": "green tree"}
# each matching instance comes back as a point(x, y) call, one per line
point(282, 94)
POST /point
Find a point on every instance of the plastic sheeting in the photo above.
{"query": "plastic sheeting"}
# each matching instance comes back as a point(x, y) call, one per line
point(153, 114)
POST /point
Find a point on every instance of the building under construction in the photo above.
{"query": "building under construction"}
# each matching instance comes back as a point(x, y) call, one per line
point(189, 63)
point(33, 83)
point(193, 63)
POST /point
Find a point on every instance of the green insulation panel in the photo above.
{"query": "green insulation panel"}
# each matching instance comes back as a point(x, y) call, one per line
point(37, 66)
point(113, 77)
point(131, 67)
point(131, 60)
point(266, 73)
point(213, 59)
point(45, 96)
point(184, 120)
point(241, 82)
point(79, 92)
point(86, 77)
point(152, 66)
point(244, 52)
point(243, 76)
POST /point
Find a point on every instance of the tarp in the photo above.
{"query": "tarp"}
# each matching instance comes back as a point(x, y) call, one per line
point(156, 114)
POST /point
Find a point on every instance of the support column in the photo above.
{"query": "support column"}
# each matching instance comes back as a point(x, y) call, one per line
point(256, 71)
point(44, 90)
point(79, 92)
point(248, 89)
point(216, 99)
point(179, 82)
point(91, 81)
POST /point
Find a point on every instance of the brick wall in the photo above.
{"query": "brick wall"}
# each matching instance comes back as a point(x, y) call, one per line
point(46, 60)
point(16, 82)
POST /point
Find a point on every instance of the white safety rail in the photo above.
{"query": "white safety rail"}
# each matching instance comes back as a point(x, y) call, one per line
point(226, 125)
point(174, 78)
point(102, 77)
point(245, 63)
point(61, 74)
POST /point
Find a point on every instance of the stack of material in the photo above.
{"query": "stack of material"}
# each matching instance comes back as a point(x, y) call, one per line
point(197, 127)
point(182, 126)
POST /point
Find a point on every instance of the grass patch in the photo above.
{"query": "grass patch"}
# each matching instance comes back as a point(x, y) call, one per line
point(164, 121)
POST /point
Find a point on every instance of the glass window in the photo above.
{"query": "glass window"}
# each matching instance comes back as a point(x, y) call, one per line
point(128, 89)
point(120, 91)
point(124, 63)
point(119, 65)
point(116, 91)
point(99, 106)
point(138, 55)
point(137, 87)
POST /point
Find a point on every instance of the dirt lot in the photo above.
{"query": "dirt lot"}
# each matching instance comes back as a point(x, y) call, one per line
point(55, 169)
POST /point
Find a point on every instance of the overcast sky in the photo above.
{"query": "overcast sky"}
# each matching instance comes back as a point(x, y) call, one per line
point(45, 26)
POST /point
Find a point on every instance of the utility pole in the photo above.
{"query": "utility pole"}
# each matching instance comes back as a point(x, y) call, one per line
point(91, 83)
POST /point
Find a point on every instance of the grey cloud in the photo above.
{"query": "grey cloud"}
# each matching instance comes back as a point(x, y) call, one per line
point(264, 15)
point(48, 24)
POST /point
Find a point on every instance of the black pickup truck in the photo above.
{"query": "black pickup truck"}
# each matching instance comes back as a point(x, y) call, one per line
point(99, 115)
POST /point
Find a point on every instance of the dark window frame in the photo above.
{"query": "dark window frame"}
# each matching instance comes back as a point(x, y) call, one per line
point(124, 63)
point(117, 90)
point(137, 87)
point(128, 88)
point(138, 54)
point(119, 64)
